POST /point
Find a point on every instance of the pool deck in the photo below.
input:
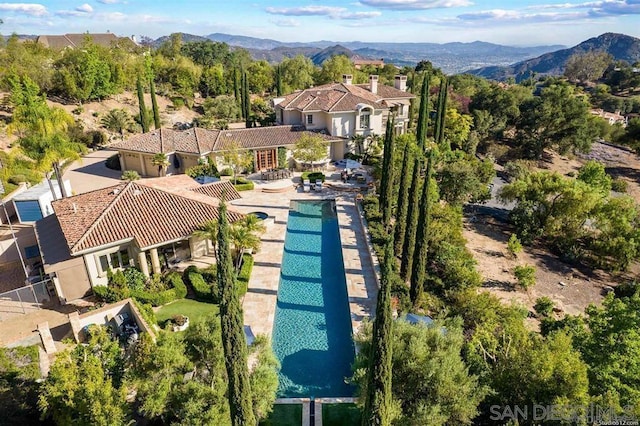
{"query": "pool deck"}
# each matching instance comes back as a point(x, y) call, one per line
point(259, 303)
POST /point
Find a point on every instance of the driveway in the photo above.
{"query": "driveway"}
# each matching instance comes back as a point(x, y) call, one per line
point(90, 172)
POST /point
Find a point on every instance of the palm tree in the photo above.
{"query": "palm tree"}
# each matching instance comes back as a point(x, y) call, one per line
point(117, 120)
point(208, 230)
point(130, 175)
point(162, 162)
point(244, 236)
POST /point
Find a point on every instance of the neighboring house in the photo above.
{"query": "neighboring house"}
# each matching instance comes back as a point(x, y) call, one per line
point(148, 224)
point(348, 110)
point(35, 203)
point(187, 148)
point(611, 117)
point(359, 63)
point(59, 42)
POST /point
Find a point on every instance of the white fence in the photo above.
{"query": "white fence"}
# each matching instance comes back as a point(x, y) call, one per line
point(24, 299)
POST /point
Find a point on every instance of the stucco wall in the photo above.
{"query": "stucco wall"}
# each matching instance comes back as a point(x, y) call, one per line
point(73, 279)
point(342, 124)
point(92, 261)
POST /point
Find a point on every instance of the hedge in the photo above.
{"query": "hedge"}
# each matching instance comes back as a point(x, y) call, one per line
point(313, 176)
point(203, 290)
point(244, 274)
point(243, 184)
point(177, 291)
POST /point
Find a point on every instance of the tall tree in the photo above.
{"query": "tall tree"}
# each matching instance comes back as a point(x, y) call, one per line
point(403, 198)
point(246, 100)
point(409, 242)
point(278, 80)
point(154, 104)
point(236, 88)
point(423, 113)
point(419, 275)
point(117, 120)
point(386, 183)
point(378, 398)
point(438, 132)
point(233, 339)
point(162, 162)
point(144, 118)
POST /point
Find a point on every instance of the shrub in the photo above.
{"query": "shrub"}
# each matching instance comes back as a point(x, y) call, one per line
point(146, 311)
point(526, 275)
point(97, 138)
point(17, 179)
point(77, 110)
point(544, 306)
point(178, 102)
point(514, 246)
point(244, 274)
point(227, 171)
point(203, 291)
point(107, 294)
point(135, 279)
point(517, 169)
point(113, 162)
point(243, 184)
point(313, 176)
point(177, 284)
point(202, 170)
point(619, 185)
point(130, 175)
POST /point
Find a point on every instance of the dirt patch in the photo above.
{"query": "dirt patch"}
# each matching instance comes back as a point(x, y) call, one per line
point(571, 289)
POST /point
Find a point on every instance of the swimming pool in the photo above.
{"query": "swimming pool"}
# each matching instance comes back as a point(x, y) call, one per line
point(312, 327)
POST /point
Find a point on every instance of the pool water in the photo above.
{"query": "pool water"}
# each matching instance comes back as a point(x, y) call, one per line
point(312, 327)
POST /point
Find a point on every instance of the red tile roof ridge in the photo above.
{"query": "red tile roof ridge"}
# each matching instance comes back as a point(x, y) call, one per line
point(104, 212)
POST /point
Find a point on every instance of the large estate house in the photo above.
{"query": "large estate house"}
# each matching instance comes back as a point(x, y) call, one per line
point(347, 110)
point(148, 224)
point(336, 112)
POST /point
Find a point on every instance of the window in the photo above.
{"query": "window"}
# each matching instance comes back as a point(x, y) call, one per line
point(116, 260)
point(309, 118)
point(364, 120)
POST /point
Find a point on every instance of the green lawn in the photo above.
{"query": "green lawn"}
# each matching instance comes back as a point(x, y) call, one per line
point(189, 307)
point(340, 415)
point(284, 415)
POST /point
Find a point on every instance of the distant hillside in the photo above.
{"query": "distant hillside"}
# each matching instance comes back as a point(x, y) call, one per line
point(620, 46)
point(186, 38)
point(336, 50)
point(450, 57)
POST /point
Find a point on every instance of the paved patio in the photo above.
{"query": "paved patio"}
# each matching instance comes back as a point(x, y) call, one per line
point(259, 303)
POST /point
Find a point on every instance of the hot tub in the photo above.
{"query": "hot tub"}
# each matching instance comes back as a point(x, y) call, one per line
point(264, 217)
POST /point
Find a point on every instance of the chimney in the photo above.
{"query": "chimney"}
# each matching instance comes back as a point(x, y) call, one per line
point(347, 78)
point(373, 82)
point(400, 82)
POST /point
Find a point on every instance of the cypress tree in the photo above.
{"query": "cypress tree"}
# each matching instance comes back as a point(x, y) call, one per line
point(386, 183)
point(412, 102)
point(278, 80)
point(419, 268)
point(377, 406)
point(409, 243)
point(144, 118)
point(236, 88)
point(438, 132)
point(403, 198)
point(246, 99)
point(154, 103)
point(423, 113)
point(233, 339)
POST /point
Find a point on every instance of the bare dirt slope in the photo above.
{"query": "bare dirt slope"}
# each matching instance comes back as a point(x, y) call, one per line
point(570, 287)
point(91, 113)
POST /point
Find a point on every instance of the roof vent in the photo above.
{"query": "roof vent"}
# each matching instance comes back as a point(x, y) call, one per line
point(137, 192)
point(116, 191)
point(229, 135)
point(75, 207)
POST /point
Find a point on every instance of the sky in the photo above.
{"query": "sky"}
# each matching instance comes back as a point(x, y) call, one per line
point(514, 23)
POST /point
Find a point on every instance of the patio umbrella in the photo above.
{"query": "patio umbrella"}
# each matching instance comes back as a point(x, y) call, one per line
point(351, 164)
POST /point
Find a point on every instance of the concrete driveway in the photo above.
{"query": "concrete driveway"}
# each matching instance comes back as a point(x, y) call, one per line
point(90, 172)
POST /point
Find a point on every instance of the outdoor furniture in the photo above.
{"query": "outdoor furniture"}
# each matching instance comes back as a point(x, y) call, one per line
point(306, 185)
point(318, 186)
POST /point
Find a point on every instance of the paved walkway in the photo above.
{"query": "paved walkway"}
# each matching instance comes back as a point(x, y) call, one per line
point(260, 301)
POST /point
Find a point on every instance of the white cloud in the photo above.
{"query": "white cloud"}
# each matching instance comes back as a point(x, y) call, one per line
point(332, 12)
point(33, 9)
point(85, 8)
point(108, 1)
point(415, 4)
point(285, 22)
point(305, 10)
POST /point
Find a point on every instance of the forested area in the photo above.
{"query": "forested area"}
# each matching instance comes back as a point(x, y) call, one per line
point(480, 352)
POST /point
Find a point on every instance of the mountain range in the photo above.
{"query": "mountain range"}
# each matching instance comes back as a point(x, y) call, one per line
point(452, 58)
point(619, 46)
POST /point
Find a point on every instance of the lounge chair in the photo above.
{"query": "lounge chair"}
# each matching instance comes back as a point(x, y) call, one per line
point(306, 185)
point(318, 186)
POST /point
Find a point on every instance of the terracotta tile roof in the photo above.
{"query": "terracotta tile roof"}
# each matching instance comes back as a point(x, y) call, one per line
point(220, 190)
point(133, 211)
point(76, 40)
point(335, 97)
point(202, 141)
point(263, 137)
